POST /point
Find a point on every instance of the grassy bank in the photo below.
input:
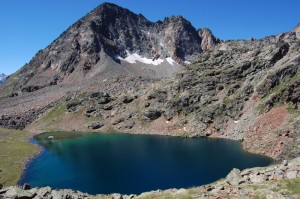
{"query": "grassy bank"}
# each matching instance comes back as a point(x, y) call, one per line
point(15, 151)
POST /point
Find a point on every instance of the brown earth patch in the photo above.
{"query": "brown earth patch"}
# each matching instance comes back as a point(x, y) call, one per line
point(263, 136)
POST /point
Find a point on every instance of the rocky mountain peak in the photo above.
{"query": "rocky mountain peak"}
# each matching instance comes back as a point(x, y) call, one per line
point(112, 41)
point(2, 78)
point(297, 28)
point(208, 39)
point(110, 11)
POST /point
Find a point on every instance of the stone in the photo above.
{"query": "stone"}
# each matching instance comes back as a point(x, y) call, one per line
point(118, 121)
point(127, 99)
point(99, 95)
point(292, 174)
point(95, 126)
point(151, 114)
point(104, 100)
point(2, 191)
point(42, 192)
point(258, 178)
point(234, 177)
point(26, 186)
point(245, 172)
point(16, 192)
point(90, 110)
point(284, 162)
point(117, 196)
point(56, 194)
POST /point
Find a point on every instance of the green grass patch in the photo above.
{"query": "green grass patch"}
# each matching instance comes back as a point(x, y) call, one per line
point(54, 114)
point(292, 185)
point(15, 150)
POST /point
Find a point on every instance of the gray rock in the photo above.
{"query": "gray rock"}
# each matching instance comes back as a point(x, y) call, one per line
point(95, 126)
point(117, 196)
point(284, 162)
point(16, 192)
point(26, 186)
point(151, 114)
point(127, 99)
point(291, 174)
point(55, 194)
point(118, 121)
point(234, 177)
point(258, 178)
point(44, 191)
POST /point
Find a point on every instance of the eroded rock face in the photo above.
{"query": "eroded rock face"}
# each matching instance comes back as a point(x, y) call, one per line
point(209, 41)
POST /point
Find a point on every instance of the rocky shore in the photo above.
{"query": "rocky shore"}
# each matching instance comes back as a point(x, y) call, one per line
point(275, 181)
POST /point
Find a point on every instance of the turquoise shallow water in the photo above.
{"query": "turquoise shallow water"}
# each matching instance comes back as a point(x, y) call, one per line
point(122, 163)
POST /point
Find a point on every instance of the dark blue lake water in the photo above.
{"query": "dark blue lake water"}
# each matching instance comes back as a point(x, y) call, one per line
point(122, 163)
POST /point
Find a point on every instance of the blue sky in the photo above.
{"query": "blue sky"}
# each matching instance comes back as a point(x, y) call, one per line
point(30, 25)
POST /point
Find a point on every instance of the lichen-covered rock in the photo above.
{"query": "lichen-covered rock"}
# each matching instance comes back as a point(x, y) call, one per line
point(234, 177)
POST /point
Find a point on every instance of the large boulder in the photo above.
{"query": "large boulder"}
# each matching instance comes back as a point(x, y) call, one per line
point(95, 126)
point(151, 114)
point(234, 177)
point(16, 192)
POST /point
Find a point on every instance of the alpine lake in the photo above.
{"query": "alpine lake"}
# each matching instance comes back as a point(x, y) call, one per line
point(132, 164)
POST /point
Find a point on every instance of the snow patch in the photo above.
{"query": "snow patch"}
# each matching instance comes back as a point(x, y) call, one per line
point(133, 58)
point(171, 61)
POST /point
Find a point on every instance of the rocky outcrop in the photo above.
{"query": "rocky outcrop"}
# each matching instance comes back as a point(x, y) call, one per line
point(209, 41)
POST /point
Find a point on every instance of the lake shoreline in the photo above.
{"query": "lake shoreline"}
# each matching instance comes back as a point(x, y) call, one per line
point(237, 184)
point(223, 146)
